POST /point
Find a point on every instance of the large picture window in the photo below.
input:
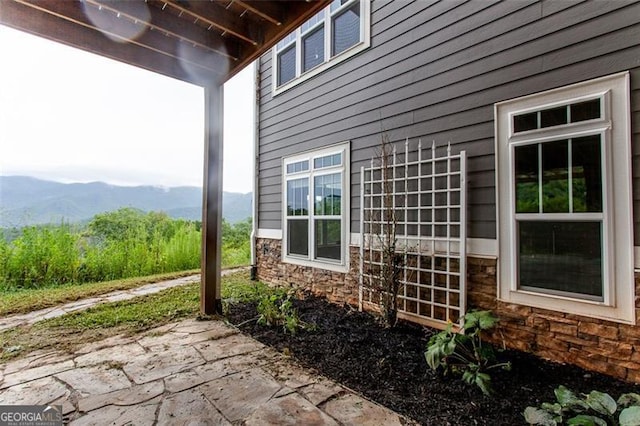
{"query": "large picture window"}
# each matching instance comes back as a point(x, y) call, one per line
point(332, 35)
point(316, 208)
point(563, 177)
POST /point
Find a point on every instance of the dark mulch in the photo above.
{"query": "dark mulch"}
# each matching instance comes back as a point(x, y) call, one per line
point(388, 366)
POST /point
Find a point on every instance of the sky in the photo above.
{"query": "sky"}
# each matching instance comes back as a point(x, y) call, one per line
point(72, 116)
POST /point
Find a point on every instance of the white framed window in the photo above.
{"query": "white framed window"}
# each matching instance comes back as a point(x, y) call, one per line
point(315, 194)
point(563, 178)
point(334, 34)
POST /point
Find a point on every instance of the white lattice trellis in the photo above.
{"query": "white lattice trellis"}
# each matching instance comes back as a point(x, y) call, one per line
point(429, 200)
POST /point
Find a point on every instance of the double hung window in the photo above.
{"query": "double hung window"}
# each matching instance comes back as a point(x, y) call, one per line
point(316, 208)
point(564, 199)
point(332, 35)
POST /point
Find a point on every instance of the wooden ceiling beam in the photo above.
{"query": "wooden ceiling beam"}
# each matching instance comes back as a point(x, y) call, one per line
point(117, 28)
point(156, 20)
point(263, 9)
point(219, 18)
point(41, 23)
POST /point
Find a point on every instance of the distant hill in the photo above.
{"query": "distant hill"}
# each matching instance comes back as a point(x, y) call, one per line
point(29, 201)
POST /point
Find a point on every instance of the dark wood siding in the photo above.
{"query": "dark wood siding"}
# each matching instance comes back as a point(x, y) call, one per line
point(434, 71)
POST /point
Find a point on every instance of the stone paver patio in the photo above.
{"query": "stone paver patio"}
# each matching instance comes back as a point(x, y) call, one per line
point(186, 373)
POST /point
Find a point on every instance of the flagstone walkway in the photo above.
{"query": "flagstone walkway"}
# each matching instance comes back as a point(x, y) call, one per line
point(186, 373)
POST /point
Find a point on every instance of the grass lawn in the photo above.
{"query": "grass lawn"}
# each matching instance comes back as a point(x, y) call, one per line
point(127, 317)
point(23, 301)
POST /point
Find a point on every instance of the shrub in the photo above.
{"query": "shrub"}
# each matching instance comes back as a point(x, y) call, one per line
point(274, 309)
point(596, 408)
point(466, 354)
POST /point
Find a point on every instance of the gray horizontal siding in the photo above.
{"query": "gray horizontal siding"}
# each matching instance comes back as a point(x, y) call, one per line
point(434, 71)
point(635, 133)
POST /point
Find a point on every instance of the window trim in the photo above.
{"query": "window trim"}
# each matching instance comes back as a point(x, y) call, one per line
point(614, 126)
point(330, 61)
point(343, 264)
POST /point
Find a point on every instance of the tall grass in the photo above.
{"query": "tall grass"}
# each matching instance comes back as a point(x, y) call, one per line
point(121, 244)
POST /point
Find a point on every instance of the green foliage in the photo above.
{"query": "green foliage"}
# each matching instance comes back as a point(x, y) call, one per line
point(593, 409)
point(276, 309)
point(114, 245)
point(236, 243)
point(466, 354)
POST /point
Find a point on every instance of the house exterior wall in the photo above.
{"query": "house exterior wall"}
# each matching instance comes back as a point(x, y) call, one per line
point(434, 71)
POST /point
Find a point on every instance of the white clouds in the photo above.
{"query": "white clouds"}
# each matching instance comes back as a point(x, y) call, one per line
point(73, 116)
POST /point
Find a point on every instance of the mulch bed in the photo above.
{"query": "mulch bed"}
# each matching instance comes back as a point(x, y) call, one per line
point(388, 366)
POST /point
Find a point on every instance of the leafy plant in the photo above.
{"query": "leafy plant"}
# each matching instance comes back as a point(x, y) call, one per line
point(593, 409)
point(466, 354)
point(276, 310)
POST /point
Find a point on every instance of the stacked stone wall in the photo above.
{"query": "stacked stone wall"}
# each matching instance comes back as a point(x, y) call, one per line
point(598, 345)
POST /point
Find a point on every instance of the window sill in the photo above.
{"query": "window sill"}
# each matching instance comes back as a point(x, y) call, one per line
point(586, 308)
point(329, 266)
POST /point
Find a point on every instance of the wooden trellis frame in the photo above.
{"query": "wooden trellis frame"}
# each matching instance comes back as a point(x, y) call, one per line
point(429, 201)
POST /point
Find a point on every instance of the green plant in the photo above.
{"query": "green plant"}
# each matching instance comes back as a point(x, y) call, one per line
point(596, 408)
point(277, 310)
point(466, 354)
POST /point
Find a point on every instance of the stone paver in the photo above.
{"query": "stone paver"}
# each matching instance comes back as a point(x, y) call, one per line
point(350, 409)
point(186, 373)
point(290, 410)
point(125, 353)
point(141, 414)
point(36, 392)
point(158, 365)
point(28, 375)
point(96, 379)
point(126, 397)
point(236, 344)
point(189, 407)
point(254, 387)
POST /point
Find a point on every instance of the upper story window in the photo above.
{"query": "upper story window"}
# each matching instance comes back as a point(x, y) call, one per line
point(563, 168)
point(332, 35)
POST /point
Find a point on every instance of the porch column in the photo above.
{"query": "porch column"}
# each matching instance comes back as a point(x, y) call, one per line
point(210, 298)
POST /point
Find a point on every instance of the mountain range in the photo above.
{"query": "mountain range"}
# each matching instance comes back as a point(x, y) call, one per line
point(30, 201)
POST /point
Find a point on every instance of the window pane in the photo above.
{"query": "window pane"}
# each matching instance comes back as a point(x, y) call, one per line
point(287, 65)
point(318, 17)
point(553, 116)
point(298, 237)
point(299, 166)
point(298, 197)
point(328, 239)
point(346, 29)
point(555, 177)
point(524, 122)
point(527, 179)
point(328, 191)
point(335, 4)
point(313, 50)
point(561, 256)
point(327, 161)
point(586, 174)
point(585, 110)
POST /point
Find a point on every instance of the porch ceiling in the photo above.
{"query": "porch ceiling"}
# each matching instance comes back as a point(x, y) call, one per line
point(204, 42)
